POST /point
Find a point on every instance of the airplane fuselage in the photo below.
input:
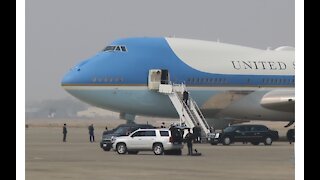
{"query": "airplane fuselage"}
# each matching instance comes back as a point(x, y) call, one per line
point(227, 81)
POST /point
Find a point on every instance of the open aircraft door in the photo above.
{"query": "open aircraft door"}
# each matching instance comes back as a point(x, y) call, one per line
point(157, 77)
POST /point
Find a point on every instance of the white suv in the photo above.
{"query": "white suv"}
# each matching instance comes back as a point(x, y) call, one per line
point(157, 140)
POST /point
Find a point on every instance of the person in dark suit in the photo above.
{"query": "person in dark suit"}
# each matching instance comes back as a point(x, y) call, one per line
point(185, 97)
point(64, 132)
point(91, 133)
point(189, 139)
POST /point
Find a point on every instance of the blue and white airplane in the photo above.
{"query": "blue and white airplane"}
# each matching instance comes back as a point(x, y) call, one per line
point(230, 83)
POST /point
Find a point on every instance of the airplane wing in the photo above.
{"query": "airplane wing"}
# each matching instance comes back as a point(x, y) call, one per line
point(279, 100)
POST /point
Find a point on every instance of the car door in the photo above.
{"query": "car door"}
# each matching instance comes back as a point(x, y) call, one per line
point(252, 134)
point(136, 141)
point(148, 139)
point(259, 132)
point(240, 134)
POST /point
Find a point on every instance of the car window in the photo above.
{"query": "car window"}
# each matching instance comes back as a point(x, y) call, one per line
point(164, 133)
point(229, 129)
point(139, 134)
point(260, 128)
point(150, 133)
point(242, 128)
point(122, 130)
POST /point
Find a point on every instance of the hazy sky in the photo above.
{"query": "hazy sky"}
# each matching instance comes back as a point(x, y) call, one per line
point(60, 33)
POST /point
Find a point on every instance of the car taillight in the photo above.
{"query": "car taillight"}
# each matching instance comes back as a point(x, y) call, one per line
point(170, 139)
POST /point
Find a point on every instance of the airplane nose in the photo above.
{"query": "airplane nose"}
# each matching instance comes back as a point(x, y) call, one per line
point(72, 77)
point(75, 75)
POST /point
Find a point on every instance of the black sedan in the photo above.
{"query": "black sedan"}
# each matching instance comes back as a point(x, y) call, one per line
point(244, 133)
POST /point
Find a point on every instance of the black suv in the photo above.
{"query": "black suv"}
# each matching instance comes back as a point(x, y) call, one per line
point(246, 133)
point(108, 137)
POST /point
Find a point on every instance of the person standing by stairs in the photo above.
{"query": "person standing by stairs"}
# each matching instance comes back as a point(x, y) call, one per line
point(189, 139)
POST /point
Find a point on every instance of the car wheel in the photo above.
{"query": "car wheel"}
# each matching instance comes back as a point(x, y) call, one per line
point(268, 141)
point(106, 149)
point(226, 141)
point(158, 149)
point(255, 143)
point(121, 148)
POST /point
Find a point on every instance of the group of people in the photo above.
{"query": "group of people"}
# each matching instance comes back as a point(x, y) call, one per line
point(178, 134)
point(90, 128)
point(189, 138)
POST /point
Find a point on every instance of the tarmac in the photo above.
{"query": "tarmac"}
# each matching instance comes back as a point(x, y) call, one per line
point(47, 157)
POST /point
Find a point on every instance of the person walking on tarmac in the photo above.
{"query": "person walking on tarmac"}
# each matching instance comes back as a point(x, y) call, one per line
point(189, 139)
point(91, 133)
point(64, 132)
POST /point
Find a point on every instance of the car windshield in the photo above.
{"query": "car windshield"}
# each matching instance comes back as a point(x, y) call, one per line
point(229, 129)
point(122, 130)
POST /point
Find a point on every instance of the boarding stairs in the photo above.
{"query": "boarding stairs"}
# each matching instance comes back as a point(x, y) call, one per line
point(190, 114)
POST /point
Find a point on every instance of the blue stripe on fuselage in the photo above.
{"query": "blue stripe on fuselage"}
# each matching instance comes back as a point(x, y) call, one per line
point(143, 54)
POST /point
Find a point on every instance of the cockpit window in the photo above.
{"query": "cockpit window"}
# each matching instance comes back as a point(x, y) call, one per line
point(123, 48)
point(115, 48)
point(109, 48)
